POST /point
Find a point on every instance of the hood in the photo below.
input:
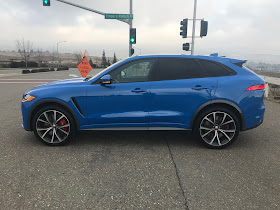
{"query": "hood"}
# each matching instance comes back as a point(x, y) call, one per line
point(60, 83)
point(66, 82)
point(75, 81)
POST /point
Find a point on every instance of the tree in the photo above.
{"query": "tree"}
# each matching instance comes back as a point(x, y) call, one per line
point(39, 57)
point(78, 57)
point(25, 50)
point(115, 58)
point(91, 63)
point(53, 57)
point(108, 62)
point(104, 61)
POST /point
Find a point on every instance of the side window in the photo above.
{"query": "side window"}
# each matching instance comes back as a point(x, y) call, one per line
point(178, 68)
point(136, 71)
point(216, 70)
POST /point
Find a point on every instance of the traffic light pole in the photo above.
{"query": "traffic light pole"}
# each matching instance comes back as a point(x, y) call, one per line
point(130, 27)
point(129, 22)
point(194, 23)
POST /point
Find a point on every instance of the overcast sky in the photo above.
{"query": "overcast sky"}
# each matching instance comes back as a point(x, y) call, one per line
point(235, 26)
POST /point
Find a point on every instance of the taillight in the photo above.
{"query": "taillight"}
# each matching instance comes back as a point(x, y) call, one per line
point(256, 87)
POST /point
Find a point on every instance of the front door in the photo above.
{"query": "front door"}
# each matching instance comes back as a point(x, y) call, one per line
point(124, 102)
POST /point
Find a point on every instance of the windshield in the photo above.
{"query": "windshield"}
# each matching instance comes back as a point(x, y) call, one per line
point(96, 75)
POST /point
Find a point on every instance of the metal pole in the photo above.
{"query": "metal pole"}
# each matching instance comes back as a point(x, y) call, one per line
point(57, 55)
point(130, 22)
point(88, 9)
point(130, 26)
point(194, 23)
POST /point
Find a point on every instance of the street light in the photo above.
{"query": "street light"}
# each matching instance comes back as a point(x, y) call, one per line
point(57, 52)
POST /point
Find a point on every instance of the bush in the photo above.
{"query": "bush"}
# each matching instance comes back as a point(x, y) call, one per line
point(22, 64)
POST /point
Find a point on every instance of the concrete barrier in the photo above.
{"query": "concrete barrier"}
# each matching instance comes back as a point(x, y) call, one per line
point(62, 68)
point(34, 70)
point(26, 71)
point(44, 70)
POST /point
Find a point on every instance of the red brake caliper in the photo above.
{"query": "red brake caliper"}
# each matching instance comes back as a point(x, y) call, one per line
point(63, 122)
point(227, 126)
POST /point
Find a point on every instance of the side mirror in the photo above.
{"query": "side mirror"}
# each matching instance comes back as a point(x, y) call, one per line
point(105, 80)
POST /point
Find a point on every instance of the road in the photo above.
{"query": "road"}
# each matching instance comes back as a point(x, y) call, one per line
point(133, 170)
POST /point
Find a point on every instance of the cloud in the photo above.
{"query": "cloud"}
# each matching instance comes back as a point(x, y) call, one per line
point(234, 25)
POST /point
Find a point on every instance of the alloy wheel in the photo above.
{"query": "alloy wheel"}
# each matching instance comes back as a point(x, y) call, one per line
point(53, 126)
point(217, 128)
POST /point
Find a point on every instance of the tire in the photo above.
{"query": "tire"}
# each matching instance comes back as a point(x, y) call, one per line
point(50, 133)
point(220, 132)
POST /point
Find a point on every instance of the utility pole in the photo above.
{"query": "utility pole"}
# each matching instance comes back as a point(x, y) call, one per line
point(194, 23)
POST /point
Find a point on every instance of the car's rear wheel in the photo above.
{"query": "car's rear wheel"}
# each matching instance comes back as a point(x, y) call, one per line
point(217, 127)
point(53, 125)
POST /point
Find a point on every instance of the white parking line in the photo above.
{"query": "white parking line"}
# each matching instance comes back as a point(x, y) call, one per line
point(73, 75)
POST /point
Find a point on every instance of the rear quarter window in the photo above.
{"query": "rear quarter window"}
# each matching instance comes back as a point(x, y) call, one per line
point(215, 69)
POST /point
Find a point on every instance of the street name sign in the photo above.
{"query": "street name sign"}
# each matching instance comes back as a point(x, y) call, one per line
point(119, 16)
point(84, 67)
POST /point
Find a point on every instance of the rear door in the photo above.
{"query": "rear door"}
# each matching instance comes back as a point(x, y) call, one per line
point(179, 88)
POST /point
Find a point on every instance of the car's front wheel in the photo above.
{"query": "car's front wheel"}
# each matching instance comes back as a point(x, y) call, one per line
point(217, 127)
point(53, 125)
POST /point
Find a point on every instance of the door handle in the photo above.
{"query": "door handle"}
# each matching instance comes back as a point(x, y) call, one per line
point(138, 90)
point(199, 87)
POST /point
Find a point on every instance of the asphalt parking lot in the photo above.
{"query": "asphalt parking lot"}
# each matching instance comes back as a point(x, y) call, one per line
point(135, 169)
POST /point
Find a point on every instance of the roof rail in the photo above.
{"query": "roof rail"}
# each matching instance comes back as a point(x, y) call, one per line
point(214, 54)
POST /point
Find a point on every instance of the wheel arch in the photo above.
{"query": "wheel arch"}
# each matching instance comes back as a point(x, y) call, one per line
point(223, 103)
point(47, 102)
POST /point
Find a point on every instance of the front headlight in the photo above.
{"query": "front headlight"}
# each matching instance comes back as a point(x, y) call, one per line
point(28, 97)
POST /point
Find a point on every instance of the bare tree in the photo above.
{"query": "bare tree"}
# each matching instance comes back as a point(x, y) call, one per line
point(78, 57)
point(39, 57)
point(25, 49)
point(53, 57)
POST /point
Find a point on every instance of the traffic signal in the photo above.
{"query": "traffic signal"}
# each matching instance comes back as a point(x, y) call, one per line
point(186, 46)
point(132, 38)
point(46, 2)
point(184, 28)
point(203, 28)
point(132, 51)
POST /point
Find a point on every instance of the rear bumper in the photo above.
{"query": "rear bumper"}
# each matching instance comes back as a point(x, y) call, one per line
point(246, 129)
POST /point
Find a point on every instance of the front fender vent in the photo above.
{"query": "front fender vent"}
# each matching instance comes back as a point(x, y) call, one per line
point(78, 106)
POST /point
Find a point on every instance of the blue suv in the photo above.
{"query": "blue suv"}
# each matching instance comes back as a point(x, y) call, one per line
point(214, 97)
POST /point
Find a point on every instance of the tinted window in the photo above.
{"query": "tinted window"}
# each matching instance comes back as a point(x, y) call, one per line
point(176, 68)
point(216, 70)
point(136, 71)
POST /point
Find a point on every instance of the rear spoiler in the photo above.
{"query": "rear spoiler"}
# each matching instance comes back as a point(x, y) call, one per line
point(238, 62)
